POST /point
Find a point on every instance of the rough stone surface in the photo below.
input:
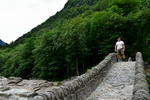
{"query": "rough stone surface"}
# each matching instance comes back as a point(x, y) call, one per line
point(141, 90)
point(15, 88)
point(118, 84)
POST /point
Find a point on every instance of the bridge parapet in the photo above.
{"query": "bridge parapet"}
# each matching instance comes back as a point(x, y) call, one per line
point(141, 91)
point(82, 86)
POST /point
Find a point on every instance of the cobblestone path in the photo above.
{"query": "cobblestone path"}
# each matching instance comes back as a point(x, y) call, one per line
point(118, 84)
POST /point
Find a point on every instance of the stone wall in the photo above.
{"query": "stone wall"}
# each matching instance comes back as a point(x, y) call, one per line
point(82, 86)
point(141, 91)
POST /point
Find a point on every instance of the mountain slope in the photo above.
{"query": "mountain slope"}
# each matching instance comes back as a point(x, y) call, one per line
point(71, 9)
point(77, 38)
point(2, 42)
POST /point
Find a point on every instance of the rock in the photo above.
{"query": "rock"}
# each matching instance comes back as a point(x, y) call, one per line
point(19, 92)
point(3, 84)
point(129, 59)
point(21, 98)
point(15, 88)
point(3, 98)
point(4, 88)
point(14, 80)
point(2, 78)
point(122, 86)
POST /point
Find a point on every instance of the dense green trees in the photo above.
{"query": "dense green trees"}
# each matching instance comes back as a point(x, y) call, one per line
point(77, 38)
point(26, 61)
point(75, 43)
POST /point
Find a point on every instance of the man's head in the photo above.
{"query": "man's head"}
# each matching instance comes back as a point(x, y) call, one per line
point(119, 39)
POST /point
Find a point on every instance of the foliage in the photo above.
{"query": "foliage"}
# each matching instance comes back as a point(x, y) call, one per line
point(77, 38)
point(148, 79)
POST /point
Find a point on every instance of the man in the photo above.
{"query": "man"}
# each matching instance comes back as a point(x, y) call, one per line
point(120, 48)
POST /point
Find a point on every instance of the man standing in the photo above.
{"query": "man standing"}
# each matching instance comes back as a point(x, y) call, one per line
point(120, 48)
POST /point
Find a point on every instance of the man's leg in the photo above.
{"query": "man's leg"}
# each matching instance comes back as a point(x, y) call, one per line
point(118, 55)
point(123, 55)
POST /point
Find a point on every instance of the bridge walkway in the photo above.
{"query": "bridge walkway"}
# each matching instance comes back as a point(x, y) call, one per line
point(118, 84)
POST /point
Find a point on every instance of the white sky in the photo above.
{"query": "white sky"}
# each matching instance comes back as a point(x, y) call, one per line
point(18, 17)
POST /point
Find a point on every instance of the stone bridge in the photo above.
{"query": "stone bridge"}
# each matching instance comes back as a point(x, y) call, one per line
point(109, 80)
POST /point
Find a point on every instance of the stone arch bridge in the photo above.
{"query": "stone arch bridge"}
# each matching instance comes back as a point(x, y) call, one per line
point(109, 80)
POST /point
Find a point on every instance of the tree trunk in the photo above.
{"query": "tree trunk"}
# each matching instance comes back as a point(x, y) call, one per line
point(68, 71)
point(83, 67)
point(77, 67)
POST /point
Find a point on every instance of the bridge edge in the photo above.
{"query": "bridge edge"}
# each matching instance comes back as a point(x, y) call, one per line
point(82, 86)
point(141, 90)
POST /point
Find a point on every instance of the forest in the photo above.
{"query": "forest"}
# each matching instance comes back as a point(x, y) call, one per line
point(77, 38)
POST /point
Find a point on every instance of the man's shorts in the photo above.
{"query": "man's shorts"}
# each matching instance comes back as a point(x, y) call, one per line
point(120, 51)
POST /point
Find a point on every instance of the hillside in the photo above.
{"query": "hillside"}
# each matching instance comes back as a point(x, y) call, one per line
point(77, 38)
point(71, 9)
point(2, 43)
